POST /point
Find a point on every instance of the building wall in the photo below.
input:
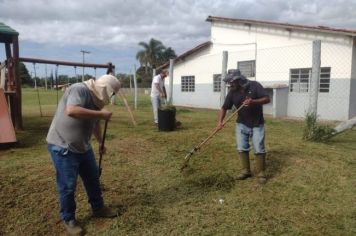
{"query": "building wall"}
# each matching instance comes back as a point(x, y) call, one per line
point(280, 102)
point(202, 66)
point(276, 51)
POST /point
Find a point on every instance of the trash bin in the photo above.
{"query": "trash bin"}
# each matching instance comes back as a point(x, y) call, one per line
point(166, 119)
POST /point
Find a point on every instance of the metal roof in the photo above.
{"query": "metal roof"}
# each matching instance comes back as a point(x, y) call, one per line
point(325, 29)
point(7, 30)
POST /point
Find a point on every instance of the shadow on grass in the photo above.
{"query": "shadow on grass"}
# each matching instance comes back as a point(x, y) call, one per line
point(144, 206)
point(30, 138)
point(276, 161)
point(218, 181)
point(34, 132)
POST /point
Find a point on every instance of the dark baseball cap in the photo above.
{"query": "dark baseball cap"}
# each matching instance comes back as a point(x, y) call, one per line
point(232, 75)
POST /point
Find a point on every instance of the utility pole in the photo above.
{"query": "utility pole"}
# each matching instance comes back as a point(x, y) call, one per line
point(83, 51)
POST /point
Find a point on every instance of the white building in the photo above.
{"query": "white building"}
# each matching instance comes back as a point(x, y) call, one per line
point(277, 55)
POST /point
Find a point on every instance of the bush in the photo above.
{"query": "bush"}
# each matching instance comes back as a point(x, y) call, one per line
point(314, 131)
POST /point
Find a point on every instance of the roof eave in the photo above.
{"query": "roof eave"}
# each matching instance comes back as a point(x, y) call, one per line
point(287, 26)
point(181, 57)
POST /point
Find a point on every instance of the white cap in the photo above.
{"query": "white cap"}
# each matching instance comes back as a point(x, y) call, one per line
point(111, 83)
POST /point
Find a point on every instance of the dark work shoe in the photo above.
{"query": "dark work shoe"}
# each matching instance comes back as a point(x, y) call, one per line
point(73, 228)
point(106, 212)
point(244, 176)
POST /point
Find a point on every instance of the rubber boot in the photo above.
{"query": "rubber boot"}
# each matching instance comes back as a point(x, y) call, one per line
point(73, 228)
point(106, 212)
point(245, 161)
point(261, 167)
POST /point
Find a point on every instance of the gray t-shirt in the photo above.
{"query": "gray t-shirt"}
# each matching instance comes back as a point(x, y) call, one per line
point(69, 132)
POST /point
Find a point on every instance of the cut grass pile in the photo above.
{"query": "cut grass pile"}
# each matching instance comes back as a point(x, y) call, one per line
point(311, 188)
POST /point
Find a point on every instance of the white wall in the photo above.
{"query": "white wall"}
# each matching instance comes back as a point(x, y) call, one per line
point(278, 51)
point(201, 65)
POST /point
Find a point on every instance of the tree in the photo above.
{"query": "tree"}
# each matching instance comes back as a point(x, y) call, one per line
point(25, 76)
point(153, 54)
point(167, 54)
point(149, 55)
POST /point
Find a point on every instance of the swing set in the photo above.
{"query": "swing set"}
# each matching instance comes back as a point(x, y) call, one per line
point(109, 66)
point(11, 85)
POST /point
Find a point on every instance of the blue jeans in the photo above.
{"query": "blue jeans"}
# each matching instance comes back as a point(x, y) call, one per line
point(256, 134)
point(156, 103)
point(68, 165)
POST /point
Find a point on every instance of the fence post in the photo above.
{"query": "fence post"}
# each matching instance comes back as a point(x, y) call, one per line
point(130, 80)
point(170, 99)
point(315, 75)
point(223, 75)
point(135, 84)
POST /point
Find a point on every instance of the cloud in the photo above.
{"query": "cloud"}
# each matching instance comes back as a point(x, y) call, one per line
point(180, 24)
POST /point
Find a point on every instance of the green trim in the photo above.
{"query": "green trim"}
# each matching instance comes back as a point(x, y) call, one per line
point(7, 30)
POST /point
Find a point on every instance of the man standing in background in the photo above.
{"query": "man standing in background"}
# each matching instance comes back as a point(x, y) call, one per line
point(158, 91)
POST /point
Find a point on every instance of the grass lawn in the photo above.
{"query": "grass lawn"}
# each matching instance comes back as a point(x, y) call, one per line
point(311, 188)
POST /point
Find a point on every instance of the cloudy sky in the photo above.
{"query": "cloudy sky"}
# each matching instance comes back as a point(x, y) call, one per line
point(111, 29)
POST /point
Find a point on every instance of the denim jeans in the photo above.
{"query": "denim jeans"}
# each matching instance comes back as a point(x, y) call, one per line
point(256, 134)
point(68, 165)
point(156, 103)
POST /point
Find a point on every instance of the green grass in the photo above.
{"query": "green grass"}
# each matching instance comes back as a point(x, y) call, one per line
point(311, 188)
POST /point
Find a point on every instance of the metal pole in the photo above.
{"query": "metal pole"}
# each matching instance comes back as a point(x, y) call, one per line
point(35, 82)
point(130, 79)
point(34, 69)
point(223, 75)
point(256, 61)
point(64, 63)
point(170, 98)
point(46, 76)
point(135, 84)
point(83, 51)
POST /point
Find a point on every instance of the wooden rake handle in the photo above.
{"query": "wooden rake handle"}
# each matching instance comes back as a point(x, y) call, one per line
point(197, 147)
point(102, 145)
point(128, 108)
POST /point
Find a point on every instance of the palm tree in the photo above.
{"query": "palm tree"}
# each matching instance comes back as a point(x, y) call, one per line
point(166, 54)
point(149, 55)
point(141, 56)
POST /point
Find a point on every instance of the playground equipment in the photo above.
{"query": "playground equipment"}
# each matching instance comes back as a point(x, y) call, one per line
point(7, 134)
point(12, 83)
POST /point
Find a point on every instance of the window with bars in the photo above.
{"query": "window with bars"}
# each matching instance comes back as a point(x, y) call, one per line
point(217, 82)
point(247, 68)
point(299, 80)
point(188, 83)
point(324, 82)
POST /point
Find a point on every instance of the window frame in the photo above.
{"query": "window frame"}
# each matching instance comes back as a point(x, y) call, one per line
point(299, 80)
point(248, 74)
point(216, 83)
point(187, 83)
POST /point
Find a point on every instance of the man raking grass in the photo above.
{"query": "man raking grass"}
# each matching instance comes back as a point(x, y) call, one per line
point(249, 123)
point(78, 117)
point(248, 96)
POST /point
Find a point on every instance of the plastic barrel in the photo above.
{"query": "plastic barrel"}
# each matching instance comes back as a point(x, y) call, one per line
point(166, 119)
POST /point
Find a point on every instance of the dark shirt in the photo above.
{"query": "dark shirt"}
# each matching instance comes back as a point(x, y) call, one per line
point(251, 116)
